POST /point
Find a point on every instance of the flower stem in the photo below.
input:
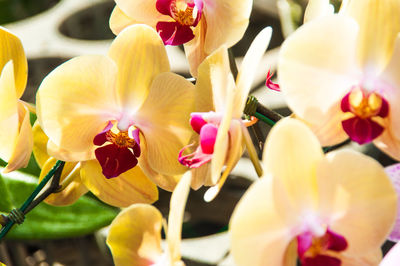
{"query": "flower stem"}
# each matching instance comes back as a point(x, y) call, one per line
point(32, 201)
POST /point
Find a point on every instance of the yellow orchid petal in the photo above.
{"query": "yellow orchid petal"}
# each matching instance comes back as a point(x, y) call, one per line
point(24, 142)
point(212, 79)
point(130, 187)
point(75, 101)
point(194, 49)
point(66, 155)
point(119, 20)
point(201, 176)
point(72, 192)
point(140, 56)
point(142, 11)
point(248, 69)
point(391, 75)
point(233, 155)
point(349, 183)
point(379, 25)
point(135, 236)
point(227, 21)
point(175, 217)
point(260, 226)
point(221, 141)
point(40, 140)
point(316, 9)
point(371, 258)
point(165, 182)
point(291, 154)
point(251, 150)
point(8, 112)
point(317, 65)
point(11, 49)
point(163, 120)
point(330, 130)
point(388, 142)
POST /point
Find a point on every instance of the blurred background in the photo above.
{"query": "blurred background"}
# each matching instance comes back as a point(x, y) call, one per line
point(53, 31)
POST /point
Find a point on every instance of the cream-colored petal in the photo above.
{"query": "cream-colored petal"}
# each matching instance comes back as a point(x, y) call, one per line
point(371, 258)
point(379, 25)
point(248, 69)
point(40, 140)
point(128, 188)
point(72, 192)
point(135, 236)
point(194, 49)
point(291, 154)
point(329, 131)
point(175, 218)
point(221, 142)
point(392, 258)
point(235, 151)
point(119, 20)
point(317, 66)
point(24, 142)
point(200, 176)
point(227, 21)
point(165, 182)
point(389, 143)
point(389, 84)
point(11, 49)
point(211, 88)
point(316, 9)
point(75, 101)
point(261, 225)
point(140, 56)
point(144, 12)
point(355, 192)
point(9, 121)
point(164, 121)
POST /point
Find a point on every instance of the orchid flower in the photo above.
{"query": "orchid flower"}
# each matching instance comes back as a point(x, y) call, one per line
point(334, 209)
point(135, 234)
point(16, 133)
point(113, 112)
point(340, 74)
point(218, 117)
point(136, 187)
point(201, 25)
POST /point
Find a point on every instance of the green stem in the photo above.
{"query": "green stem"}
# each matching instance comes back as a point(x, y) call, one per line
point(264, 119)
point(26, 204)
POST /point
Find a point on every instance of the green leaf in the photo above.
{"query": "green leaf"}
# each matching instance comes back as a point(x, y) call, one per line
point(48, 222)
point(5, 200)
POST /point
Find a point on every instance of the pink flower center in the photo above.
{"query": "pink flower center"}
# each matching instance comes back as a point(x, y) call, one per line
point(185, 13)
point(120, 154)
point(320, 250)
point(366, 111)
point(208, 135)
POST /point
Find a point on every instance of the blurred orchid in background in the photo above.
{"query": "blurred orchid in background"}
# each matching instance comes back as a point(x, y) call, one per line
point(16, 134)
point(135, 234)
point(123, 110)
point(201, 25)
point(308, 205)
point(340, 74)
point(218, 117)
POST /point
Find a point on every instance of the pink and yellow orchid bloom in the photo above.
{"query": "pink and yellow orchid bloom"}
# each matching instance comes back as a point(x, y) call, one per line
point(135, 234)
point(201, 25)
point(16, 134)
point(340, 74)
point(308, 205)
point(122, 109)
point(218, 117)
